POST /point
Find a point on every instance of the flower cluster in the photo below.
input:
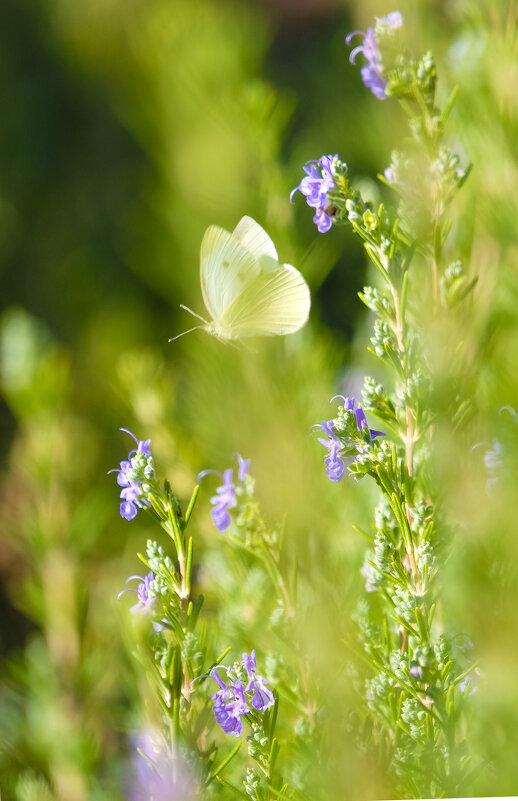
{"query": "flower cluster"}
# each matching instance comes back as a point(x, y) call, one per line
point(353, 423)
point(145, 595)
point(146, 598)
point(133, 476)
point(231, 702)
point(373, 72)
point(335, 467)
point(225, 497)
point(315, 185)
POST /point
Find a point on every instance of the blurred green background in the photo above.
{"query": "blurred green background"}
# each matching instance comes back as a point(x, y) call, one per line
point(127, 128)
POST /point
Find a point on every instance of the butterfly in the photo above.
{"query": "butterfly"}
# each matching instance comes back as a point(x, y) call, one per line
point(246, 291)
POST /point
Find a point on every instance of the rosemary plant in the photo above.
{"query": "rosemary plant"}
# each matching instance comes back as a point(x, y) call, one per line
point(420, 678)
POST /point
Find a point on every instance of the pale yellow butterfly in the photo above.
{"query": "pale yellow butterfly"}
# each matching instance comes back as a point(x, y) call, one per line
point(246, 291)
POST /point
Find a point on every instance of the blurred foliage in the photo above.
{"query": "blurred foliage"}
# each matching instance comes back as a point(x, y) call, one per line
point(128, 127)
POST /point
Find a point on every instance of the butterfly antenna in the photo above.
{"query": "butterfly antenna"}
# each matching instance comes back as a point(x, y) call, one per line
point(196, 327)
point(186, 308)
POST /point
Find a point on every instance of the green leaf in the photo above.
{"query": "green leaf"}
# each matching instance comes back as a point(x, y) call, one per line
point(224, 762)
point(231, 787)
point(192, 503)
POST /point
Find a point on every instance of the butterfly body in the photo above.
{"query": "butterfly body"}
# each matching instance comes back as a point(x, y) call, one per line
point(246, 290)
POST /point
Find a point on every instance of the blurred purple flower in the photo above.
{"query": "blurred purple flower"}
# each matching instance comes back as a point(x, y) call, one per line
point(156, 776)
point(471, 681)
point(263, 696)
point(495, 457)
point(315, 185)
point(225, 497)
point(244, 467)
point(390, 175)
point(416, 671)
point(224, 500)
point(372, 72)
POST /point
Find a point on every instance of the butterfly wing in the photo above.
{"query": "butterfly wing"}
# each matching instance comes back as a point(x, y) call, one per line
point(275, 301)
point(226, 266)
point(254, 238)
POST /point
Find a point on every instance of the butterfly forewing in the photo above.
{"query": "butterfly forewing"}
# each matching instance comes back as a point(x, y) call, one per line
point(275, 302)
point(254, 238)
point(226, 268)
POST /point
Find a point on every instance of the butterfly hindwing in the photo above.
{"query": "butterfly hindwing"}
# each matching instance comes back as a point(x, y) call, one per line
point(275, 302)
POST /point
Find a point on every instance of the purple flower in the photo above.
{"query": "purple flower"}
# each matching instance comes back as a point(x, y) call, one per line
point(224, 500)
point(146, 598)
point(231, 700)
point(244, 467)
point(372, 72)
point(361, 420)
point(263, 696)
point(225, 497)
point(229, 704)
point(132, 474)
point(315, 185)
point(335, 467)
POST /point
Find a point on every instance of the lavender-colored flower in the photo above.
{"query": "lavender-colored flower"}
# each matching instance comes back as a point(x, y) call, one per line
point(146, 598)
point(229, 704)
point(263, 696)
point(244, 467)
point(225, 497)
point(372, 72)
point(145, 595)
point(361, 420)
point(315, 185)
point(131, 475)
point(224, 500)
point(335, 467)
